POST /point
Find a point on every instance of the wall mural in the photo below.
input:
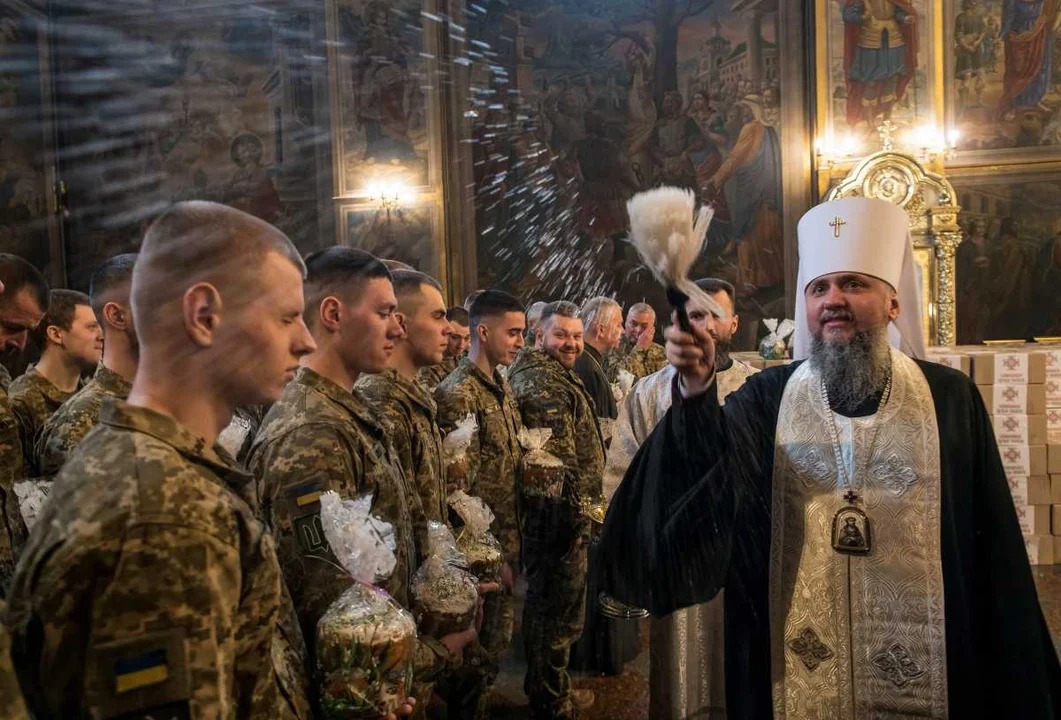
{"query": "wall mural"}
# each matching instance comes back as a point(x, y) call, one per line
point(875, 64)
point(381, 91)
point(25, 142)
point(1009, 263)
point(1004, 77)
point(400, 233)
point(201, 111)
point(579, 105)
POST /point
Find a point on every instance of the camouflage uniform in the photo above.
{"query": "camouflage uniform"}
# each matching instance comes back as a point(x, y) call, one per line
point(432, 375)
point(69, 425)
point(412, 421)
point(555, 532)
point(11, 705)
point(494, 457)
point(321, 437)
point(34, 399)
point(13, 529)
point(638, 361)
point(150, 588)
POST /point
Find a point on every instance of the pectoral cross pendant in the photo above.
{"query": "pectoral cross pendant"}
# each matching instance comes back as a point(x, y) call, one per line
point(851, 531)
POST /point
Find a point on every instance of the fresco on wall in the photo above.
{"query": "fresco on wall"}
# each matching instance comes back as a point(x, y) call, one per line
point(399, 233)
point(1004, 76)
point(589, 103)
point(381, 75)
point(197, 111)
point(1009, 262)
point(877, 65)
point(24, 190)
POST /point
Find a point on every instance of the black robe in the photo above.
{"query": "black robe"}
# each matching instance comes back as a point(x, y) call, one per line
point(692, 516)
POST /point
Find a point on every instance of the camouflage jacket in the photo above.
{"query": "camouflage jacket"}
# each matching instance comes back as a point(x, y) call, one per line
point(34, 399)
point(12, 528)
point(638, 361)
point(412, 420)
point(495, 452)
point(69, 425)
point(432, 375)
point(552, 396)
point(11, 705)
point(149, 587)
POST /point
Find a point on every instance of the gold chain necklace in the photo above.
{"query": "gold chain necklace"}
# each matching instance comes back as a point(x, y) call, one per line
point(851, 526)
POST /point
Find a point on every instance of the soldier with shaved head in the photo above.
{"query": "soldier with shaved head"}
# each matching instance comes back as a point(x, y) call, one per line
point(149, 588)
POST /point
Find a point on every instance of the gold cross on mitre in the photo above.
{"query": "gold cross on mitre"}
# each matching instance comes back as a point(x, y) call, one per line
point(837, 223)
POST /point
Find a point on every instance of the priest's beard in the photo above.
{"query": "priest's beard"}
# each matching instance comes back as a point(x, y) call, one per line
point(855, 371)
point(722, 348)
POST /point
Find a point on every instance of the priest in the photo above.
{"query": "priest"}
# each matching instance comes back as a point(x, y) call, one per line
point(853, 506)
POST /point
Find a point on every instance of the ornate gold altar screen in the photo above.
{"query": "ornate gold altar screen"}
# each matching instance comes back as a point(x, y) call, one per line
point(929, 200)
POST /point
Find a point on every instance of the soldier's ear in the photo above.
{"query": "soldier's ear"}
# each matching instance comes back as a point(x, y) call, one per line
point(330, 313)
point(117, 316)
point(201, 307)
point(54, 333)
point(481, 331)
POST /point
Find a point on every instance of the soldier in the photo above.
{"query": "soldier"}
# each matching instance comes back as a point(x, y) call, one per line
point(149, 588)
point(457, 346)
point(534, 316)
point(12, 706)
point(109, 290)
point(637, 353)
point(22, 306)
point(475, 387)
point(407, 407)
point(323, 435)
point(555, 531)
point(72, 343)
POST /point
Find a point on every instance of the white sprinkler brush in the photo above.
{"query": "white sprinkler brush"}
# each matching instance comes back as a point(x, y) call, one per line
point(669, 240)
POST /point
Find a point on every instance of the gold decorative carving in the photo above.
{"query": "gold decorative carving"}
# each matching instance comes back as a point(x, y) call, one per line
point(928, 199)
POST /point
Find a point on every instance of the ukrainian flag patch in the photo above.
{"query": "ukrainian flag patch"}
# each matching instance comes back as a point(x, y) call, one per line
point(140, 671)
point(308, 494)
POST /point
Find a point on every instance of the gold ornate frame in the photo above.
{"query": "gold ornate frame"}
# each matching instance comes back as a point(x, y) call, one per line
point(930, 201)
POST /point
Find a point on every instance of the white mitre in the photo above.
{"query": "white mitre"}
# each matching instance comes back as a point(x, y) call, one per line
point(863, 235)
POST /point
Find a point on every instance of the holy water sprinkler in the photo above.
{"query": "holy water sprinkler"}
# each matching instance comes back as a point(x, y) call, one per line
point(669, 240)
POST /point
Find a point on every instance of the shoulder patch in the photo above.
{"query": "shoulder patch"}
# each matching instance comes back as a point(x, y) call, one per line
point(145, 677)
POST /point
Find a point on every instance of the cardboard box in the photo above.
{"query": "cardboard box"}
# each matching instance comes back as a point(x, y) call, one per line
point(1053, 425)
point(1020, 430)
point(1053, 458)
point(1034, 519)
point(1053, 391)
point(1040, 549)
point(957, 361)
point(1034, 490)
point(1057, 549)
point(1053, 362)
point(1009, 368)
point(1055, 489)
point(1014, 399)
point(1026, 460)
point(1055, 519)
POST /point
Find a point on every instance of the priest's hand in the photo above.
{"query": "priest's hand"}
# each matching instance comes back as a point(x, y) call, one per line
point(692, 355)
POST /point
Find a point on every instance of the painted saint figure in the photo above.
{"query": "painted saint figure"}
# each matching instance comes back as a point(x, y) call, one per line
point(1028, 34)
point(880, 56)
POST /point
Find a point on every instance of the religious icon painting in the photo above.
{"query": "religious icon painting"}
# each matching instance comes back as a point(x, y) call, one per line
point(875, 63)
point(851, 532)
point(406, 233)
point(1003, 79)
point(383, 73)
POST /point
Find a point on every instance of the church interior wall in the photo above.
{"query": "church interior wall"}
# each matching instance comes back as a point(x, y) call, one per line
point(496, 143)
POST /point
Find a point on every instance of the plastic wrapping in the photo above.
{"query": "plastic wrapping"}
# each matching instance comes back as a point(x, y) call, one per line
point(543, 472)
point(624, 383)
point(445, 597)
point(455, 451)
point(32, 494)
point(474, 513)
point(442, 544)
point(366, 642)
point(474, 539)
point(775, 345)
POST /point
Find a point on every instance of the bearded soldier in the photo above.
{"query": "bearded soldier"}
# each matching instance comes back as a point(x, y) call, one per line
point(555, 530)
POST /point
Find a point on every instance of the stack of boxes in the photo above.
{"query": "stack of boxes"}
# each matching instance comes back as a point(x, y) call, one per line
point(1018, 384)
